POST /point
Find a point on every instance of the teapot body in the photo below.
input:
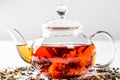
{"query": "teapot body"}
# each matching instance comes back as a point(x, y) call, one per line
point(63, 55)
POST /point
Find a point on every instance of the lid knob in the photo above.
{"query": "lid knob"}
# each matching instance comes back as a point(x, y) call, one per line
point(61, 10)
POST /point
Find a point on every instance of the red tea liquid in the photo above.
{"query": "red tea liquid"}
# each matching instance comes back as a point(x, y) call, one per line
point(63, 61)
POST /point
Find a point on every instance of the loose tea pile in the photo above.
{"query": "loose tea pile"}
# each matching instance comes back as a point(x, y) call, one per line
point(29, 73)
point(103, 74)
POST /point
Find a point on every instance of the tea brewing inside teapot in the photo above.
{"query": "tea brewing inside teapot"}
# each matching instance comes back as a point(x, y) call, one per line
point(62, 61)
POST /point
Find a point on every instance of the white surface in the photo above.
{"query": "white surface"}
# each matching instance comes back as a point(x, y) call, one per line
point(9, 55)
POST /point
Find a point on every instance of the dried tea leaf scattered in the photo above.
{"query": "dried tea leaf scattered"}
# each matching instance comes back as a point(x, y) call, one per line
point(29, 73)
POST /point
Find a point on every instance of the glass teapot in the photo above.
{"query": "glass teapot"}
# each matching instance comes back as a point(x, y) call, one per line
point(62, 51)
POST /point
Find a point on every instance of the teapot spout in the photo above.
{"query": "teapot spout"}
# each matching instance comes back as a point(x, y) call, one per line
point(17, 36)
point(24, 51)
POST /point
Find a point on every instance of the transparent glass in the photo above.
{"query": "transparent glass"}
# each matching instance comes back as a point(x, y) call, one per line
point(61, 53)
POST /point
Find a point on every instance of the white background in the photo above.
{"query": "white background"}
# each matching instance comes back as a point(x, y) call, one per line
point(28, 15)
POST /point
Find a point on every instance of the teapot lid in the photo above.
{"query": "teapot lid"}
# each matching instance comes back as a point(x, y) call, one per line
point(61, 23)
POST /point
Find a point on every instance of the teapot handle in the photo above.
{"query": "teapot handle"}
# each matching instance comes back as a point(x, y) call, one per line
point(109, 36)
